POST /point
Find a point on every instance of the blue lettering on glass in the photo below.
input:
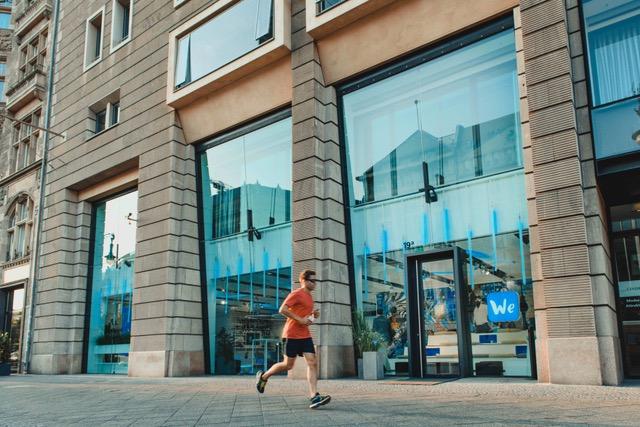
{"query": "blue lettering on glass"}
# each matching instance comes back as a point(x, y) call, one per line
point(503, 306)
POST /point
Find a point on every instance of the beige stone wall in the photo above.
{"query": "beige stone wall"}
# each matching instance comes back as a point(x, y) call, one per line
point(577, 334)
point(167, 315)
point(575, 309)
point(12, 186)
point(319, 235)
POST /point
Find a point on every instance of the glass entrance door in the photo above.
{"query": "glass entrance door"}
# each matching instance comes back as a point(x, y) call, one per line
point(440, 344)
point(467, 317)
point(437, 284)
point(625, 225)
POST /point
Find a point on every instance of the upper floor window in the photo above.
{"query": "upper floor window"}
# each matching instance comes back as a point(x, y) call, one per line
point(121, 23)
point(613, 46)
point(24, 138)
point(241, 28)
point(93, 39)
point(105, 113)
point(19, 230)
point(5, 20)
point(32, 54)
point(323, 5)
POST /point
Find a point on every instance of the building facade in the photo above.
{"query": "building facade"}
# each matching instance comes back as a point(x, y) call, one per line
point(466, 186)
point(24, 84)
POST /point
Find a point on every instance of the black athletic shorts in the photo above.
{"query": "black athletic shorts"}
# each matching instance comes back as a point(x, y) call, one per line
point(297, 347)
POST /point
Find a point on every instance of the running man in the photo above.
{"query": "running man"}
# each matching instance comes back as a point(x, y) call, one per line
point(298, 309)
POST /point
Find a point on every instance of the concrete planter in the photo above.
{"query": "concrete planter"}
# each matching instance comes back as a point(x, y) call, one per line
point(372, 365)
point(5, 369)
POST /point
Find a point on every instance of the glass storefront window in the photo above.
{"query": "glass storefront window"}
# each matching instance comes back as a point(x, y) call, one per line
point(458, 113)
point(613, 42)
point(11, 314)
point(625, 224)
point(227, 36)
point(112, 279)
point(246, 209)
point(456, 120)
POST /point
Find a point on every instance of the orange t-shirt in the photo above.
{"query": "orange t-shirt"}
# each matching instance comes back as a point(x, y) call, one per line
point(300, 302)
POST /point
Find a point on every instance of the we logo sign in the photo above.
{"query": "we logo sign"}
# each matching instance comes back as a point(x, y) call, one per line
point(503, 306)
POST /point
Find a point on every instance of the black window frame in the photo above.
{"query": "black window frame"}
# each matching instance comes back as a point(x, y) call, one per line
point(201, 147)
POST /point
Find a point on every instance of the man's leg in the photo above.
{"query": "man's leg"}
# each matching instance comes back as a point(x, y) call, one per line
point(312, 372)
point(312, 377)
point(279, 367)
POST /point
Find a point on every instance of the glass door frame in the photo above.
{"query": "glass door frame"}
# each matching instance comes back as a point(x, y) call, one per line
point(415, 299)
point(90, 273)
point(619, 235)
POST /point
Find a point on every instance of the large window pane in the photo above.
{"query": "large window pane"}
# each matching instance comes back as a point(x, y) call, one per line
point(613, 37)
point(114, 245)
point(229, 35)
point(246, 205)
point(613, 40)
point(458, 113)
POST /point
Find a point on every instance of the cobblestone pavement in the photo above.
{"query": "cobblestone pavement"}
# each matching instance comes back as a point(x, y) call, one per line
point(91, 400)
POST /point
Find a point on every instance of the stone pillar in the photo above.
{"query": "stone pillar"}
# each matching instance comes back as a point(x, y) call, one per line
point(61, 289)
point(577, 336)
point(318, 214)
point(166, 331)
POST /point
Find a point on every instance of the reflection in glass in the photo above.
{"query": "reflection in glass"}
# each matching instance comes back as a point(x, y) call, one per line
point(246, 200)
point(440, 317)
point(227, 36)
point(459, 115)
point(613, 41)
point(616, 128)
point(11, 310)
point(112, 279)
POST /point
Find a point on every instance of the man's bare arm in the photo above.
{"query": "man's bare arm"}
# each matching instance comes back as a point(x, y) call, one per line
point(285, 311)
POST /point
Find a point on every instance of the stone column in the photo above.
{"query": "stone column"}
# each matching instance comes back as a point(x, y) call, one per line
point(318, 214)
point(61, 288)
point(577, 336)
point(166, 331)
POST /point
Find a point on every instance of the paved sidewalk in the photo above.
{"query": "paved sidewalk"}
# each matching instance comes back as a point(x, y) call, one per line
point(91, 400)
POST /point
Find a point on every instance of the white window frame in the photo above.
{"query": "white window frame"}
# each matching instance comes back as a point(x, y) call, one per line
point(178, 3)
point(126, 40)
point(26, 224)
point(100, 11)
point(104, 104)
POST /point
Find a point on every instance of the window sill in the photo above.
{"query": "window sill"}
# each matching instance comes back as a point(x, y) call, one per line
point(21, 172)
point(105, 130)
point(16, 262)
point(119, 45)
point(87, 67)
point(178, 3)
point(339, 15)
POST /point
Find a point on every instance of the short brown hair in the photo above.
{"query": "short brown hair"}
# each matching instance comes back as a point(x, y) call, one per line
point(306, 274)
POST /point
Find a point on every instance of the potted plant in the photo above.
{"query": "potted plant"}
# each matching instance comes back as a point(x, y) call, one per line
point(225, 362)
point(367, 343)
point(5, 354)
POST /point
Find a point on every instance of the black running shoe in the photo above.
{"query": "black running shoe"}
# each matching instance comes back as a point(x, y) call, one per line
point(319, 400)
point(260, 382)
